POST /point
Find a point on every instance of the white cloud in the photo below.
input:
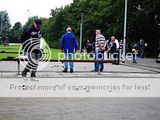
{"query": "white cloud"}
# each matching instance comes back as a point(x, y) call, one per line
point(17, 9)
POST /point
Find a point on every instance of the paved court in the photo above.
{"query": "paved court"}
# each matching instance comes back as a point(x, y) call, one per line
point(83, 108)
point(145, 68)
point(79, 109)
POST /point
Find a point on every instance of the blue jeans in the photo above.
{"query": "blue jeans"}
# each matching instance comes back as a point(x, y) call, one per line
point(142, 53)
point(99, 55)
point(134, 58)
point(68, 56)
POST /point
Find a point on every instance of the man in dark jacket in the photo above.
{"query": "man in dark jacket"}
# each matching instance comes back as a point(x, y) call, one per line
point(31, 45)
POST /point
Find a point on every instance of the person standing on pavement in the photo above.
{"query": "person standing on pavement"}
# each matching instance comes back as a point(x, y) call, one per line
point(88, 46)
point(99, 51)
point(142, 48)
point(135, 53)
point(115, 50)
point(31, 45)
point(68, 45)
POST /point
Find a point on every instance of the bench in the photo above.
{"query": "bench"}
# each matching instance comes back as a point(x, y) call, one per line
point(52, 60)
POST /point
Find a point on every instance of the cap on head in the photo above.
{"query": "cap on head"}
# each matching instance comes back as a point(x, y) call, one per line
point(38, 21)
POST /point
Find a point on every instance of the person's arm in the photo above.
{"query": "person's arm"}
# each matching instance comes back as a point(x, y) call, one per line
point(105, 44)
point(109, 46)
point(99, 43)
point(61, 43)
point(76, 44)
point(24, 37)
point(117, 44)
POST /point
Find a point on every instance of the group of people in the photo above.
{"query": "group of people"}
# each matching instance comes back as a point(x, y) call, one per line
point(137, 50)
point(69, 46)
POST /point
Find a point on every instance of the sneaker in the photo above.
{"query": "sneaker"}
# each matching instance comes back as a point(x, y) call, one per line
point(71, 71)
point(101, 70)
point(94, 70)
point(24, 73)
point(33, 75)
point(34, 79)
point(65, 71)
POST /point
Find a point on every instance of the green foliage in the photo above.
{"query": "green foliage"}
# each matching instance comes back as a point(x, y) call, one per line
point(15, 32)
point(108, 16)
point(98, 14)
point(4, 25)
point(143, 21)
point(29, 22)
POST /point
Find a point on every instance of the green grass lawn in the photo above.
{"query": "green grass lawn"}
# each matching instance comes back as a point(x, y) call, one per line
point(11, 48)
point(15, 48)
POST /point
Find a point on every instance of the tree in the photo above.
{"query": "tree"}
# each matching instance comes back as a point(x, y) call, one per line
point(143, 22)
point(29, 22)
point(16, 32)
point(4, 25)
point(108, 16)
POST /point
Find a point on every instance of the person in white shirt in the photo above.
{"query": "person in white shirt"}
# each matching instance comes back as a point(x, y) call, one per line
point(115, 50)
point(99, 51)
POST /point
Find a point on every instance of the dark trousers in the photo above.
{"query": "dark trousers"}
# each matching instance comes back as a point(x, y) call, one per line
point(116, 57)
point(32, 64)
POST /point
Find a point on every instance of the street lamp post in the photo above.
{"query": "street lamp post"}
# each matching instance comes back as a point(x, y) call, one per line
point(125, 26)
point(81, 32)
point(28, 14)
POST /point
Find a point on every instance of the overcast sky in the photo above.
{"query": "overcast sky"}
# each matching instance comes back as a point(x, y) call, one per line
point(19, 10)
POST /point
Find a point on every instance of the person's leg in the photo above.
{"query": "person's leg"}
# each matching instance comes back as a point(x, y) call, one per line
point(24, 72)
point(142, 53)
point(28, 66)
point(117, 61)
point(133, 58)
point(71, 64)
point(65, 63)
point(35, 56)
point(114, 55)
point(34, 70)
point(101, 57)
point(96, 64)
point(40, 54)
